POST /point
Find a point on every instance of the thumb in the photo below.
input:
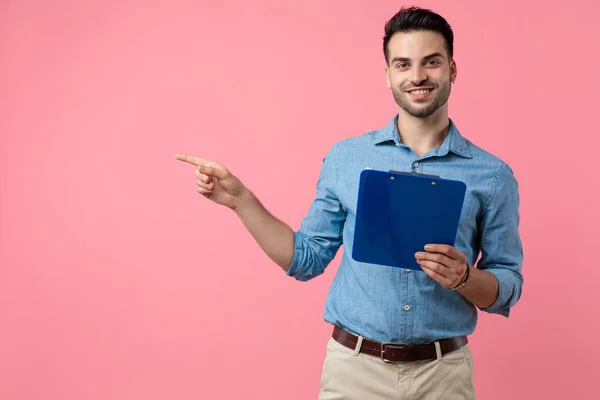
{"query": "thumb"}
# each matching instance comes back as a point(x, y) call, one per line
point(214, 169)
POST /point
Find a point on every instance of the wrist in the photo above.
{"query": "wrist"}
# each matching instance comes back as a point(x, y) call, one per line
point(242, 201)
point(464, 280)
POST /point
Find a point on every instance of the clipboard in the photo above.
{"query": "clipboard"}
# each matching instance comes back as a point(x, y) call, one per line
point(398, 213)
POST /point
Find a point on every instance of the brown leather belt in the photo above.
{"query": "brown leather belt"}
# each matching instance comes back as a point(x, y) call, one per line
point(398, 352)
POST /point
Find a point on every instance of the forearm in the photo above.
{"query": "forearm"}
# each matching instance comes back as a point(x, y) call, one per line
point(274, 237)
point(481, 288)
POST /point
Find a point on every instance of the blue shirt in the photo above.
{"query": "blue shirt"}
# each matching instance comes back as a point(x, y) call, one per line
point(390, 304)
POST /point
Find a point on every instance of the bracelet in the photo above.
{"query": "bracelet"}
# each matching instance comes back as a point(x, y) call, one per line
point(464, 280)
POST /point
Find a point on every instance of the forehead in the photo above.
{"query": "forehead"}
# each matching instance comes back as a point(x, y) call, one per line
point(416, 44)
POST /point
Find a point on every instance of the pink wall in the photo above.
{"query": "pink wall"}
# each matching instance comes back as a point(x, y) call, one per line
point(118, 281)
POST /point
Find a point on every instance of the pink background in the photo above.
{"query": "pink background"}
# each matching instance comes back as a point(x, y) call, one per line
point(118, 281)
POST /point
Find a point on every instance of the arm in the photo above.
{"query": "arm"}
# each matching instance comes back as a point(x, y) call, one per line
point(501, 247)
point(273, 236)
point(481, 288)
point(217, 183)
point(320, 235)
point(448, 266)
point(495, 285)
point(303, 254)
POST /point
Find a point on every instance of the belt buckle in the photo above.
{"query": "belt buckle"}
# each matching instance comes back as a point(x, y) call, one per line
point(394, 345)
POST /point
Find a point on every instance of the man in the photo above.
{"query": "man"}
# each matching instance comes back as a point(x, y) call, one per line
point(399, 333)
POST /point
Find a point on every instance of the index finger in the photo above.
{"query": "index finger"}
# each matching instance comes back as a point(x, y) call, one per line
point(450, 251)
point(190, 159)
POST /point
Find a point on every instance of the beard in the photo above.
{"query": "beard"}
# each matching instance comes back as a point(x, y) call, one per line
point(425, 109)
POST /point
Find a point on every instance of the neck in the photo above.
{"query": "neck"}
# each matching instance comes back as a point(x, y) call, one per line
point(423, 134)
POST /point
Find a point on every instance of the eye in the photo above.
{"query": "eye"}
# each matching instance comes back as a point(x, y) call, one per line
point(433, 63)
point(402, 65)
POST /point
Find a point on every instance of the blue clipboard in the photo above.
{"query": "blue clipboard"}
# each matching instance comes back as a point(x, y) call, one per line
point(398, 213)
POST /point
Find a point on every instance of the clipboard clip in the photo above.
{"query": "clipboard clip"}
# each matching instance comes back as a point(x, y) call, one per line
point(414, 173)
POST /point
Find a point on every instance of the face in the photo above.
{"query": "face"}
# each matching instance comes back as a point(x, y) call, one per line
point(419, 72)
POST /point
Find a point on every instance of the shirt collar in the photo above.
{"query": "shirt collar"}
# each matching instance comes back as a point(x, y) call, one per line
point(454, 142)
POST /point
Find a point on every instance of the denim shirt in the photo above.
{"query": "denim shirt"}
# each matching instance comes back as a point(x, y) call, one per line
point(390, 304)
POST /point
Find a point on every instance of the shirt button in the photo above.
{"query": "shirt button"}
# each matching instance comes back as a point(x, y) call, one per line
point(415, 164)
point(406, 307)
point(407, 269)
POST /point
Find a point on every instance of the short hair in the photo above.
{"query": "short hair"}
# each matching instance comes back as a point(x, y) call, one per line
point(411, 19)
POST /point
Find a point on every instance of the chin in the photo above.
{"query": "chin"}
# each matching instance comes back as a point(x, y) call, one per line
point(421, 112)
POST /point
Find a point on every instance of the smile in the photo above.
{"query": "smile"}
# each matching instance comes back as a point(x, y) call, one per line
point(420, 91)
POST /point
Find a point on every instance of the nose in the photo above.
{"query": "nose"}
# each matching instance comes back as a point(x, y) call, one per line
point(418, 75)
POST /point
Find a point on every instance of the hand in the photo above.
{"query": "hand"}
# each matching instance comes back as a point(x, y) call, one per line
point(215, 182)
point(443, 263)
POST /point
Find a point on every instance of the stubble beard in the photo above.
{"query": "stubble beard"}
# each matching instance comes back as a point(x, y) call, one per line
point(442, 94)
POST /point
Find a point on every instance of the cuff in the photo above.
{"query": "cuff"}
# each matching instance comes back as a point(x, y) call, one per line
point(298, 249)
point(507, 287)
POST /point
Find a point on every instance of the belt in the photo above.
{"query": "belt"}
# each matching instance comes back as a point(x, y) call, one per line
point(398, 352)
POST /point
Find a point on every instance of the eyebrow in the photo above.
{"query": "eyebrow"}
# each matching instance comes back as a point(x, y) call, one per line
point(427, 57)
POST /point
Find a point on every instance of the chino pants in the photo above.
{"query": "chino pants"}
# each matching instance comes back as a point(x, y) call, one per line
point(349, 375)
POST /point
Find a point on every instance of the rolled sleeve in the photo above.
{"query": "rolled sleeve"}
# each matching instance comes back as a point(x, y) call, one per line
point(501, 246)
point(320, 235)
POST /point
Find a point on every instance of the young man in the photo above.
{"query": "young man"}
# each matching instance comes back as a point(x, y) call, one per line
point(399, 333)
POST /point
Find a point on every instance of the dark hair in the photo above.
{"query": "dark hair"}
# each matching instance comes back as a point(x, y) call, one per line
point(411, 19)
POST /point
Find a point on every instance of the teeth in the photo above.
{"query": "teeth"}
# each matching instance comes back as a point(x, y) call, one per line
point(421, 91)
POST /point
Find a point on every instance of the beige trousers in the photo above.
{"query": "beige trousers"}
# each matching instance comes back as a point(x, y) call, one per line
point(351, 376)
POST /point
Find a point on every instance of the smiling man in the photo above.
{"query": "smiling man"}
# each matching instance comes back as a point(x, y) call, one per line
point(399, 333)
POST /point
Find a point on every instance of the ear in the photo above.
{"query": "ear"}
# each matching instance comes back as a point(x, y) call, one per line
point(388, 81)
point(453, 71)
